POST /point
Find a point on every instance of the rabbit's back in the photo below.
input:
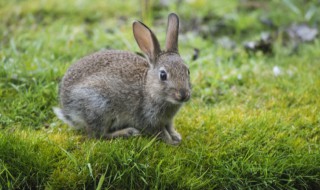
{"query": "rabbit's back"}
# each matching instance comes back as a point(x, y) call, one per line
point(112, 69)
point(112, 62)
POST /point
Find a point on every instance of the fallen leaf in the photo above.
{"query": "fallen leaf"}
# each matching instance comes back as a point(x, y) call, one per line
point(302, 32)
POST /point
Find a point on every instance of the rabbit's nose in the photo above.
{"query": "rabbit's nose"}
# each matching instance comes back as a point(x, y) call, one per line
point(183, 95)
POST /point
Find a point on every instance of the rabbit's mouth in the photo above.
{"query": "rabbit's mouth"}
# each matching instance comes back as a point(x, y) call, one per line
point(179, 96)
point(174, 101)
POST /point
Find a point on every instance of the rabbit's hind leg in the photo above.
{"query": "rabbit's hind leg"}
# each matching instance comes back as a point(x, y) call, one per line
point(93, 108)
point(98, 113)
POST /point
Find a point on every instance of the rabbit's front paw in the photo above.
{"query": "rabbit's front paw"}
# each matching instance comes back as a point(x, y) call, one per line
point(173, 138)
point(176, 137)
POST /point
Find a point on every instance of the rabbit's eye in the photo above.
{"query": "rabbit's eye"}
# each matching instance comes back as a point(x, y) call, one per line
point(188, 72)
point(163, 75)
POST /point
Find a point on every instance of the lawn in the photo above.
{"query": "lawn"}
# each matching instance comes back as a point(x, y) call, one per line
point(253, 121)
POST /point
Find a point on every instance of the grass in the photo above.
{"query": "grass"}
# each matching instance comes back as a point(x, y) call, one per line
point(245, 127)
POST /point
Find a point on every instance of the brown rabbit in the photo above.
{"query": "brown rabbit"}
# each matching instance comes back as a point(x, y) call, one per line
point(116, 93)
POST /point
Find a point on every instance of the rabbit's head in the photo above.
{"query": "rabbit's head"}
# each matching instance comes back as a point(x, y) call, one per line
point(168, 77)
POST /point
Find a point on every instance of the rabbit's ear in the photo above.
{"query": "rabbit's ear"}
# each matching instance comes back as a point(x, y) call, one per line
point(172, 33)
point(146, 40)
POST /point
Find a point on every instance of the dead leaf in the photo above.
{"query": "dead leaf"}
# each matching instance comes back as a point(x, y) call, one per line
point(302, 32)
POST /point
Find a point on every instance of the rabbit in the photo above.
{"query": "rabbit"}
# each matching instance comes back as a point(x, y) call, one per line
point(115, 93)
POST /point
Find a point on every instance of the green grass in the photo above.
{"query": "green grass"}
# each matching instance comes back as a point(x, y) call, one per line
point(244, 128)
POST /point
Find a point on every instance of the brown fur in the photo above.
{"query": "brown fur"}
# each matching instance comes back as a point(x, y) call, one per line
point(119, 94)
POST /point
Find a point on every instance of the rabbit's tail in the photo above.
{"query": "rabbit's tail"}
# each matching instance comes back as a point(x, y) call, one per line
point(59, 113)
